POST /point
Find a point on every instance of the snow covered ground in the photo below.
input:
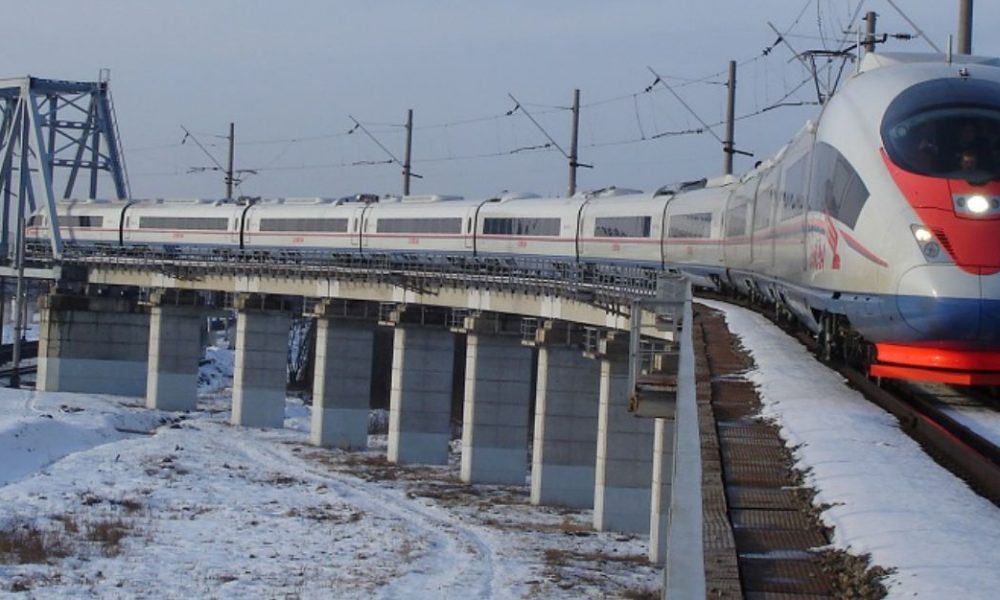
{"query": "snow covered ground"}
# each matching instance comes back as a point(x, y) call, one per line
point(883, 494)
point(131, 503)
point(125, 502)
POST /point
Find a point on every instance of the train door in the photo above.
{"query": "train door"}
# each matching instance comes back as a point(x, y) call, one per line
point(470, 227)
point(791, 212)
point(736, 221)
point(362, 223)
point(762, 236)
point(663, 232)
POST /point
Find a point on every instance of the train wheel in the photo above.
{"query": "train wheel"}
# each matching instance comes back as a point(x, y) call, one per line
point(826, 338)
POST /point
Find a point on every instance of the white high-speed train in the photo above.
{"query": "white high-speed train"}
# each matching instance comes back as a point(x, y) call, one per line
point(877, 226)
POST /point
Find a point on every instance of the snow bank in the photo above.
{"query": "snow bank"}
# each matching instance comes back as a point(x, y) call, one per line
point(884, 495)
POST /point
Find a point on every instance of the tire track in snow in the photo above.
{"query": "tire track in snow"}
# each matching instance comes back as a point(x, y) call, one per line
point(462, 559)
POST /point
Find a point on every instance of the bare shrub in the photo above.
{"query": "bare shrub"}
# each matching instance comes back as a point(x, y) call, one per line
point(108, 532)
point(24, 543)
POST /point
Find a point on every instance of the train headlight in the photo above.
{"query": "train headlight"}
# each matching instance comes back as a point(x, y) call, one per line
point(930, 247)
point(976, 205)
point(922, 234)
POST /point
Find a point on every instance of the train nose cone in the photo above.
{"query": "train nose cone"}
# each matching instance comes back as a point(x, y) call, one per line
point(939, 302)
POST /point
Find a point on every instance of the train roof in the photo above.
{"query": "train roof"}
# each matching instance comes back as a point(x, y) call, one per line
point(877, 60)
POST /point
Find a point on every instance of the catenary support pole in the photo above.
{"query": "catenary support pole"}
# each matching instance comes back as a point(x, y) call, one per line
point(573, 143)
point(870, 19)
point(727, 143)
point(409, 147)
point(229, 166)
point(965, 27)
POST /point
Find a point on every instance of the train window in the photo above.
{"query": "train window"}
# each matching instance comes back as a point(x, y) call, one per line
point(622, 226)
point(765, 200)
point(736, 221)
point(439, 225)
point(946, 128)
point(738, 208)
point(694, 225)
point(498, 226)
point(521, 226)
point(68, 221)
point(197, 223)
point(853, 200)
point(36, 220)
point(837, 188)
point(792, 192)
point(325, 225)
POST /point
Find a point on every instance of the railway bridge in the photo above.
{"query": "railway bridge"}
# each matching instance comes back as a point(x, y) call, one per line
point(590, 365)
point(591, 357)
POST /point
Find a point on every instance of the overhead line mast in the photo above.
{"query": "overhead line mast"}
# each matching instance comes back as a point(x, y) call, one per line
point(727, 144)
point(965, 27)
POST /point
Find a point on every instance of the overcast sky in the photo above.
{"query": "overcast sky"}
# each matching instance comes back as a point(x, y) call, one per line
point(290, 73)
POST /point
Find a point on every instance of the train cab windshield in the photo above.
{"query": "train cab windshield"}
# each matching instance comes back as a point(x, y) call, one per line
point(946, 128)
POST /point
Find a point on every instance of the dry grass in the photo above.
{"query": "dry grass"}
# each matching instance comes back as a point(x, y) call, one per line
point(108, 533)
point(558, 557)
point(25, 543)
point(70, 534)
point(327, 513)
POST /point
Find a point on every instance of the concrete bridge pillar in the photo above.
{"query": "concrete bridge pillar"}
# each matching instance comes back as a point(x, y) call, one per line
point(624, 448)
point(261, 371)
point(92, 344)
point(176, 326)
point(342, 375)
point(420, 397)
point(565, 441)
point(497, 402)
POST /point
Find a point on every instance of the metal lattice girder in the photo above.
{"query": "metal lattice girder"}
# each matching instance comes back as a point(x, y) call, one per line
point(49, 127)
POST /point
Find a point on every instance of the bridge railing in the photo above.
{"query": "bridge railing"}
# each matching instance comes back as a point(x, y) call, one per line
point(684, 575)
point(607, 285)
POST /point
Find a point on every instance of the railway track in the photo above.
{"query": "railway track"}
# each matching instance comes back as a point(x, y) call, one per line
point(921, 414)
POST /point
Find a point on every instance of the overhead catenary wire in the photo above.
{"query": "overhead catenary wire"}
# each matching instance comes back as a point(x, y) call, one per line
point(538, 125)
point(647, 130)
point(684, 104)
point(710, 79)
point(188, 134)
point(914, 26)
point(358, 125)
